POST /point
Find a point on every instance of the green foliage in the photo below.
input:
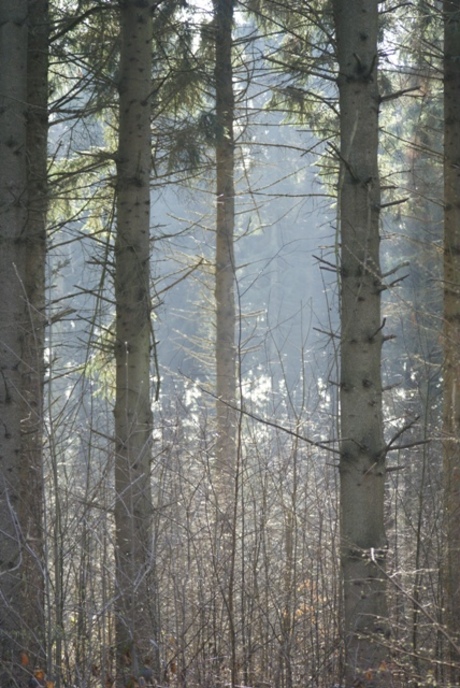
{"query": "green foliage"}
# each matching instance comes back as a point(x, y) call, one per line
point(100, 368)
point(81, 186)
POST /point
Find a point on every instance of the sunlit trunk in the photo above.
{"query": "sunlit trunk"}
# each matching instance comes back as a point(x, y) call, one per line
point(226, 428)
point(362, 460)
point(135, 603)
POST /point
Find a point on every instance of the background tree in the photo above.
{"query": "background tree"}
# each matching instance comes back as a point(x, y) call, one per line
point(226, 431)
point(227, 440)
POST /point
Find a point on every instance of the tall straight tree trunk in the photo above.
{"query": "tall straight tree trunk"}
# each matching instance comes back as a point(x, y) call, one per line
point(362, 460)
point(451, 419)
point(31, 502)
point(136, 621)
point(225, 263)
point(226, 479)
point(15, 536)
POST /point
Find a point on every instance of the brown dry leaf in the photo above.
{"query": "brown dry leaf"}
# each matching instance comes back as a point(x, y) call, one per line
point(126, 658)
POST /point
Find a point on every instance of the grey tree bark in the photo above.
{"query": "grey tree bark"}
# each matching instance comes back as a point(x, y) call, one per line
point(31, 499)
point(18, 546)
point(225, 474)
point(451, 368)
point(225, 262)
point(362, 447)
point(136, 618)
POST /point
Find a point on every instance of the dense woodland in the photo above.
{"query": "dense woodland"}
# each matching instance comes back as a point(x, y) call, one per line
point(229, 343)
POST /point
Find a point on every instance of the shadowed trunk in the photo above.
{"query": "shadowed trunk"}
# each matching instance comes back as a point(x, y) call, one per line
point(451, 372)
point(31, 505)
point(136, 619)
point(15, 322)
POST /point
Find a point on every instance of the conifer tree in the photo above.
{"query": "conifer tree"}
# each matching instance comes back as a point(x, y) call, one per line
point(362, 447)
point(32, 489)
point(135, 603)
point(451, 368)
point(22, 218)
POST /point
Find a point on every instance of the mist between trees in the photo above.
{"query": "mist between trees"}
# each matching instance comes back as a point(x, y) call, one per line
point(229, 331)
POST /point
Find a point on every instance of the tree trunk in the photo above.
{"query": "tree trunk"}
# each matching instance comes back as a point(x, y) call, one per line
point(225, 474)
point(136, 619)
point(451, 419)
point(31, 501)
point(362, 460)
point(225, 262)
point(14, 324)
